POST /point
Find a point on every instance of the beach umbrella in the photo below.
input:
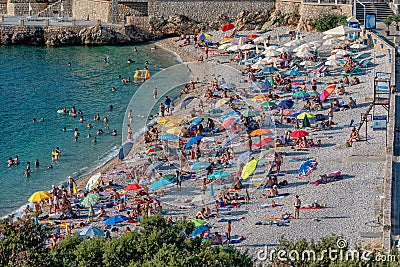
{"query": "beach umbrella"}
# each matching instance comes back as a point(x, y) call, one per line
point(154, 149)
point(230, 114)
point(152, 167)
point(229, 140)
point(333, 63)
point(187, 101)
point(200, 165)
point(306, 122)
point(258, 65)
point(334, 57)
point(287, 112)
point(303, 54)
point(307, 63)
point(264, 141)
point(227, 27)
point(201, 229)
point(286, 104)
point(341, 52)
point(293, 43)
point(270, 53)
point(315, 43)
point(313, 93)
point(197, 121)
point(341, 30)
point(250, 113)
point(259, 132)
point(307, 168)
point(269, 104)
point(327, 92)
point(261, 85)
point(245, 156)
point(226, 40)
point(203, 37)
point(330, 42)
point(175, 130)
point(292, 73)
point(282, 49)
point(116, 219)
point(300, 94)
point(228, 86)
point(247, 46)
point(92, 183)
point(222, 102)
point(271, 60)
point(133, 187)
point(269, 69)
point(192, 141)
point(198, 222)
point(90, 199)
point(252, 36)
point(260, 98)
point(160, 183)
point(168, 137)
point(302, 115)
point(233, 48)
point(39, 196)
point(219, 175)
point(173, 122)
point(249, 168)
point(90, 231)
point(224, 46)
point(227, 123)
point(298, 134)
point(124, 150)
point(259, 39)
point(358, 46)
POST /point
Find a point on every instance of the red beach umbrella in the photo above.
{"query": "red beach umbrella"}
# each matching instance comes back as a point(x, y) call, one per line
point(252, 36)
point(227, 27)
point(264, 142)
point(227, 123)
point(134, 186)
point(327, 92)
point(298, 134)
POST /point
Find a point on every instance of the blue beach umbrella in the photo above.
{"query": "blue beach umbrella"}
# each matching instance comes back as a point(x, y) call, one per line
point(231, 114)
point(291, 73)
point(197, 122)
point(269, 69)
point(286, 104)
point(262, 85)
point(192, 141)
point(307, 167)
point(116, 219)
point(250, 113)
point(187, 101)
point(229, 140)
point(201, 229)
point(91, 231)
point(168, 137)
point(159, 183)
point(300, 94)
point(199, 165)
point(228, 86)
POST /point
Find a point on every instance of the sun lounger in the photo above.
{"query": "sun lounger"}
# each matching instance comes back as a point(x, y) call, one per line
point(320, 64)
point(356, 71)
point(230, 219)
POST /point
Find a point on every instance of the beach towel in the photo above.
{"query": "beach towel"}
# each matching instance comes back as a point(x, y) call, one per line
point(280, 195)
point(310, 207)
point(269, 206)
point(298, 159)
point(235, 240)
point(231, 219)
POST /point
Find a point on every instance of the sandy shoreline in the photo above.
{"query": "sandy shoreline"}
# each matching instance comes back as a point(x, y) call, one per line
point(352, 205)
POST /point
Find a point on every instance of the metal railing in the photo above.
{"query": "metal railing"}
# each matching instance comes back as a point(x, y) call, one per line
point(329, 2)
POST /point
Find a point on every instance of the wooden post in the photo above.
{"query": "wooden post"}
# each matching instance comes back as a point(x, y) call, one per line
point(46, 22)
point(73, 22)
point(21, 22)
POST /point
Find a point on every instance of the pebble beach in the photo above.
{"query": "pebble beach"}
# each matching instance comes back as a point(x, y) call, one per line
point(349, 206)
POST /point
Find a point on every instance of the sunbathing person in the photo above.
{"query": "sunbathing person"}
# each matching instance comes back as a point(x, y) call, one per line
point(354, 137)
point(201, 214)
point(237, 185)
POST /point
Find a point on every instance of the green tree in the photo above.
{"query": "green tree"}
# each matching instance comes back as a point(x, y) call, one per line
point(329, 22)
point(90, 252)
point(63, 253)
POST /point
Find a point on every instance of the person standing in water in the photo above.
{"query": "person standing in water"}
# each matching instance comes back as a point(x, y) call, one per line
point(155, 92)
point(37, 163)
point(76, 134)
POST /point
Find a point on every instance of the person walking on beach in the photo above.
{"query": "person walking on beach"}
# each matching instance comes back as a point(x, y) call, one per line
point(330, 116)
point(155, 92)
point(178, 177)
point(228, 232)
point(168, 104)
point(297, 205)
point(71, 186)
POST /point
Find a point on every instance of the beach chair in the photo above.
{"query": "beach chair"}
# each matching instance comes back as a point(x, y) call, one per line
point(364, 63)
point(319, 65)
point(356, 71)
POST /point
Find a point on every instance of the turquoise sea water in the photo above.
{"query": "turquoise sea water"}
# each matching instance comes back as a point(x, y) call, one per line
point(35, 82)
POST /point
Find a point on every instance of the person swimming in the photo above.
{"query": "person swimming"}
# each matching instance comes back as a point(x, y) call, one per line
point(114, 132)
point(34, 120)
point(69, 64)
point(135, 49)
point(130, 61)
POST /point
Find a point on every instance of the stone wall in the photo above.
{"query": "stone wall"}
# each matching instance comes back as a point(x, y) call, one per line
point(207, 10)
point(22, 9)
point(54, 9)
point(92, 10)
point(134, 9)
point(3, 6)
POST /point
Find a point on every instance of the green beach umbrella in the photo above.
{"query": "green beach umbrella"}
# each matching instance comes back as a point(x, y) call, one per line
point(269, 104)
point(90, 199)
point(198, 222)
point(250, 113)
point(300, 94)
point(306, 122)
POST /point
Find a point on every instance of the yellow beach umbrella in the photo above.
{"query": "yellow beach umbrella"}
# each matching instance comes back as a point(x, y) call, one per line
point(226, 40)
point(163, 120)
point(173, 122)
point(260, 132)
point(221, 102)
point(249, 169)
point(175, 130)
point(39, 196)
point(304, 114)
point(260, 98)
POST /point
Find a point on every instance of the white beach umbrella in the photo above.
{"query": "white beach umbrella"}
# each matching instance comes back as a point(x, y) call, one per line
point(304, 54)
point(301, 49)
point(328, 36)
point(270, 53)
point(315, 43)
point(273, 48)
point(358, 46)
point(233, 48)
point(333, 63)
point(247, 47)
point(341, 52)
point(330, 42)
point(344, 38)
point(341, 30)
point(224, 46)
point(92, 183)
point(259, 39)
point(258, 65)
point(334, 57)
point(293, 43)
point(282, 49)
point(307, 63)
point(270, 60)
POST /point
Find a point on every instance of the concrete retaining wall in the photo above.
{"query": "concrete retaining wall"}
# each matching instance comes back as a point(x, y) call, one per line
point(22, 9)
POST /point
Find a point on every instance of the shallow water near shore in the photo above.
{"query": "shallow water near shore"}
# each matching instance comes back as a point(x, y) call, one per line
point(35, 82)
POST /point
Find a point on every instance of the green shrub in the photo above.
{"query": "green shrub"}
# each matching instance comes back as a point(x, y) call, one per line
point(328, 22)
